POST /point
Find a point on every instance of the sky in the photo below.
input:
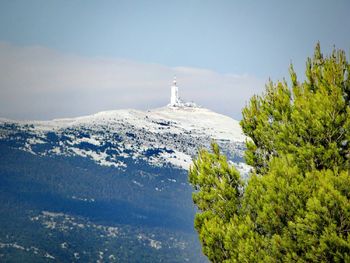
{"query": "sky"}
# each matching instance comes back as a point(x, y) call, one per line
point(72, 58)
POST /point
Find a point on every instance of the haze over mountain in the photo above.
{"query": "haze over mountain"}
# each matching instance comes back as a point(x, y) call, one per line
point(42, 83)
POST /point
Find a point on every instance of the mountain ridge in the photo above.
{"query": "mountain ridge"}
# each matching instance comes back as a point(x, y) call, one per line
point(156, 129)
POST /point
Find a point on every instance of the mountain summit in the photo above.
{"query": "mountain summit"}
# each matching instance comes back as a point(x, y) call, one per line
point(168, 135)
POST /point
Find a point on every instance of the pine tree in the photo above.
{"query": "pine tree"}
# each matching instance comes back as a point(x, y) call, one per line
point(295, 207)
point(217, 184)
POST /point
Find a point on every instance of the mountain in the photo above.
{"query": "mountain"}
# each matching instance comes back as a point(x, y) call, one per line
point(109, 187)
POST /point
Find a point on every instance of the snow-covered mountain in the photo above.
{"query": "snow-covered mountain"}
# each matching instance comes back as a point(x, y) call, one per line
point(162, 137)
point(109, 187)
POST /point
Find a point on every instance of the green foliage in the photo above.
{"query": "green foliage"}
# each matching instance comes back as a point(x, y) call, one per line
point(218, 198)
point(295, 207)
point(310, 119)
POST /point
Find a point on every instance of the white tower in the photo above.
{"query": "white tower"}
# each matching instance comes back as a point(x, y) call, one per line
point(174, 99)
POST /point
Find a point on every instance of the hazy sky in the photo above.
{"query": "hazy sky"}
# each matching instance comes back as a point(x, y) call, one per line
point(69, 58)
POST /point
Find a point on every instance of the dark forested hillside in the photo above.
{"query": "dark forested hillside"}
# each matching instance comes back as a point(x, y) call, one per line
point(72, 209)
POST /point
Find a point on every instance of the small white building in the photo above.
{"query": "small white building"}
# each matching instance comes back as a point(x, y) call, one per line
point(175, 100)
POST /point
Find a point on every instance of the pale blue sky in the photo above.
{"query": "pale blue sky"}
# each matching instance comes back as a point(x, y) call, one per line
point(255, 38)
